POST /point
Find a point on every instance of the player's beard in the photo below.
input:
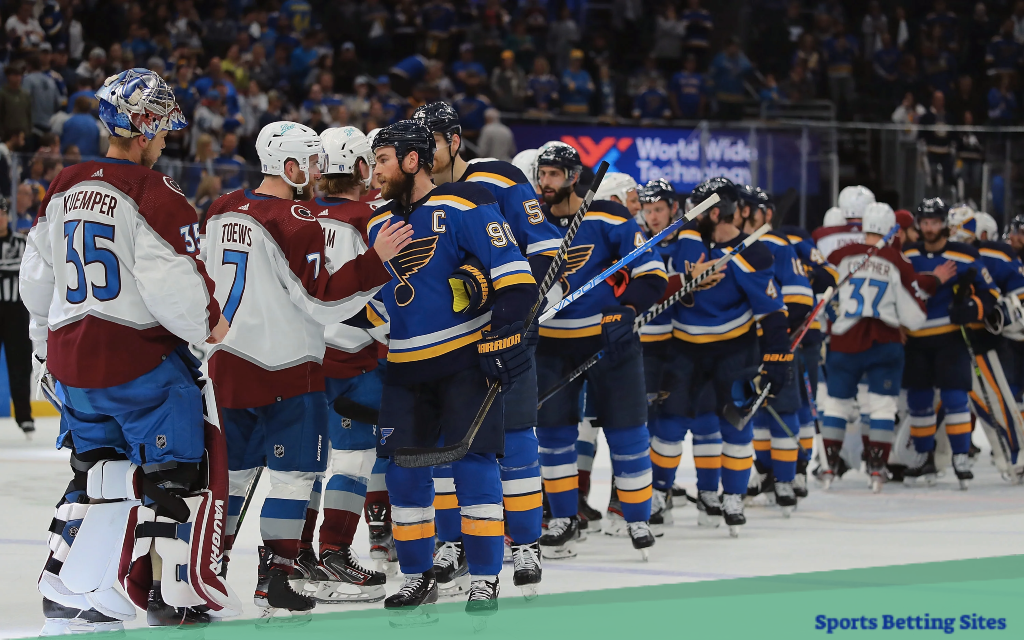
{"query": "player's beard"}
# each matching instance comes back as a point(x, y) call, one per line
point(150, 154)
point(558, 196)
point(399, 189)
point(934, 236)
point(706, 227)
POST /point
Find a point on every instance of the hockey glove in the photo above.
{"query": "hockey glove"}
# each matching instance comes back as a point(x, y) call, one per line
point(966, 306)
point(504, 356)
point(618, 281)
point(778, 371)
point(471, 289)
point(617, 330)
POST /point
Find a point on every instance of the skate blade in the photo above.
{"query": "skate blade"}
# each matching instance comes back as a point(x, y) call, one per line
point(704, 520)
point(876, 485)
point(734, 531)
point(581, 535)
point(530, 591)
point(787, 512)
point(826, 482)
point(389, 568)
point(964, 484)
point(616, 528)
point(568, 550)
point(75, 626)
point(594, 526)
point(294, 619)
point(454, 587)
point(407, 618)
point(645, 555)
point(658, 530)
point(328, 594)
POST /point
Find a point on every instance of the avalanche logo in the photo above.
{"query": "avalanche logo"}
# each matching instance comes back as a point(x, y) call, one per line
point(609, 149)
point(385, 432)
point(173, 186)
point(302, 213)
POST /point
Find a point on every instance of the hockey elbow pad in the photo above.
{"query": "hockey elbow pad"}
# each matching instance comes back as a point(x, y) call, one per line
point(471, 288)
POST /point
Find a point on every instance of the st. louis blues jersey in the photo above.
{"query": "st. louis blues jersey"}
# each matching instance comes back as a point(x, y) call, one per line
point(729, 309)
point(965, 257)
point(608, 232)
point(790, 278)
point(659, 329)
point(430, 340)
point(1004, 266)
point(819, 272)
point(518, 203)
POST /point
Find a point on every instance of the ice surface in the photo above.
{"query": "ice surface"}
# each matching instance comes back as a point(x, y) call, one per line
point(847, 527)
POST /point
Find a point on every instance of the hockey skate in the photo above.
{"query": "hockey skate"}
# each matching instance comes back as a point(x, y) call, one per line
point(62, 620)
point(340, 578)
point(305, 563)
point(382, 544)
point(962, 464)
point(642, 537)
point(483, 601)
point(923, 467)
point(877, 474)
point(506, 552)
point(661, 511)
point(588, 514)
point(678, 492)
point(800, 481)
point(413, 606)
point(559, 541)
point(761, 483)
point(527, 565)
point(709, 509)
point(785, 497)
point(732, 507)
point(450, 569)
point(614, 523)
point(28, 427)
point(161, 614)
point(836, 468)
point(274, 591)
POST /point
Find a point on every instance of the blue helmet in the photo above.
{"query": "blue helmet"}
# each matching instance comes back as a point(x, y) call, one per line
point(138, 102)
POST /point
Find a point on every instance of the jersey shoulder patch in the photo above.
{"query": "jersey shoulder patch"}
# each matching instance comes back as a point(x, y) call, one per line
point(460, 195)
point(777, 238)
point(497, 172)
point(610, 209)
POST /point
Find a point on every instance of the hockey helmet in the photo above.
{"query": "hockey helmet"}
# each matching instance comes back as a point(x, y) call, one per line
point(933, 208)
point(987, 225)
point(962, 223)
point(439, 117)
point(725, 189)
point(343, 147)
point(878, 218)
point(526, 161)
point(834, 218)
point(1015, 227)
point(138, 102)
point(562, 156)
point(615, 184)
point(853, 199)
point(656, 191)
point(406, 136)
point(281, 141)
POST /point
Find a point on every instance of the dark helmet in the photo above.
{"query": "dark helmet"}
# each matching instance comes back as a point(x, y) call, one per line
point(764, 199)
point(406, 136)
point(562, 156)
point(4, 204)
point(934, 208)
point(725, 189)
point(439, 117)
point(657, 190)
point(1016, 226)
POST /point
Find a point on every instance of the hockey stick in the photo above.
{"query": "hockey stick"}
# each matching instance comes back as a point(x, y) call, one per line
point(414, 457)
point(785, 427)
point(250, 491)
point(689, 287)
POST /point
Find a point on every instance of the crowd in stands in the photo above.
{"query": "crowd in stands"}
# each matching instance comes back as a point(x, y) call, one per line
point(236, 65)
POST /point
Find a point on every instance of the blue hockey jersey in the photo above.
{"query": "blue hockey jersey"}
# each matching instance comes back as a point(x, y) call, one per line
point(790, 278)
point(819, 272)
point(607, 233)
point(965, 256)
point(729, 309)
point(428, 339)
point(1004, 266)
point(660, 328)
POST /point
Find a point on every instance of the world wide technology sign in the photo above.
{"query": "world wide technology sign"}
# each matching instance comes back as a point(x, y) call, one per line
point(676, 154)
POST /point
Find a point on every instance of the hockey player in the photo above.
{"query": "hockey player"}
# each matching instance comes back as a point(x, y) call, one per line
point(775, 451)
point(444, 346)
point(716, 352)
point(116, 296)
point(602, 318)
point(867, 341)
point(352, 381)
point(538, 240)
point(836, 231)
point(936, 355)
point(269, 371)
point(621, 188)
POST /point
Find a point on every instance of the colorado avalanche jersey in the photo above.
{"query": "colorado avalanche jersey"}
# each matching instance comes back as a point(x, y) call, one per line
point(882, 296)
point(430, 340)
point(965, 256)
point(729, 309)
point(828, 239)
point(110, 276)
point(277, 291)
point(350, 350)
point(520, 208)
point(607, 233)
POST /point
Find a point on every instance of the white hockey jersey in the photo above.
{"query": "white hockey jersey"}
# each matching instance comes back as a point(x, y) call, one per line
point(267, 257)
point(880, 298)
point(109, 275)
point(828, 239)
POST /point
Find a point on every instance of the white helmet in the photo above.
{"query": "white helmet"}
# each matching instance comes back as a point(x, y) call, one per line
point(987, 225)
point(616, 184)
point(878, 218)
point(280, 141)
point(342, 148)
point(834, 218)
point(526, 161)
point(852, 200)
point(962, 223)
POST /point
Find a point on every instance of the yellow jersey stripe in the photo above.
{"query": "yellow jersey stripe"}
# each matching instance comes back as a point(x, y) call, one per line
point(710, 337)
point(603, 217)
point(453, 201)
point(376, 220)
point(491, 176)
point(372, 316)
point(514, 278)
point(584, 332)
point(956, 255)
point(807, 300)
point(992, 253)
point(415, 355)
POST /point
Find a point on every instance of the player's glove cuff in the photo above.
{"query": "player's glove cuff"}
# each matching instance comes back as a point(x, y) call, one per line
point(471, 288)
point(617, 329)
point(778, 370)
point(504, 355)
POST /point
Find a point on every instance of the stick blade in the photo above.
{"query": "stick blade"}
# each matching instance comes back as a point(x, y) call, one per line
point(732, 414)
point(419, 457)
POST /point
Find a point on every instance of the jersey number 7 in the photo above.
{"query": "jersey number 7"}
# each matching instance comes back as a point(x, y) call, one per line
point(241, 261)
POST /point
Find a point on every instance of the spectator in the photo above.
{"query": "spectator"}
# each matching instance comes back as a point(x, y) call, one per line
point(965, 99)
point(376, 22)
point(95, 67)
point(606, 87)
point(301, 60)
point(977, 34)
point(465, 65)
point(496, 140)
point(46, 61)
point(687, 95)
point(902, 29)
point(471, 107)
point(234, 68)
point(348, 66)
point(214, 78)
point(652, 103)
point(259, 67)
point(11, 144)
point(252, 105)
point(219, 31)
point(946, 21)
point(84, 88)
point(522, 44)
point(1018, 21)
point(72, 156)
point(15, 103)
point(393, 105)
point(971, 155)
point(46, 96)
point(808, 53)
point(230, 166)
point(139, 42)
point(886, 66)
point(938, 142)
point(59, 65)
point(699, 25)
point(563, 36)
point(23, 28)
point(14, 322)
point(1002, 103)
point(576, 86)
point(25, 208)
point(201, 165)
point(909, 77)
point(626, 17)
point(727, 72)
point(438, 19)
point(185, 93)
point(840, 54)
point(508, 83)
point(769, 95)
point(440, 86)
point(541, 86)
point(210, 115)
point(637, 82)
point(358, 103)
point(874, 26)
point(209, 189)
point(908, 113)
point(938, 66)
point(797, 87)
point(82, 129)
point(1003, 53)
point(669, 31)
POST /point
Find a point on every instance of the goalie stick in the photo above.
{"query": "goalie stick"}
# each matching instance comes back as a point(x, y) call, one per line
point(689, 287)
